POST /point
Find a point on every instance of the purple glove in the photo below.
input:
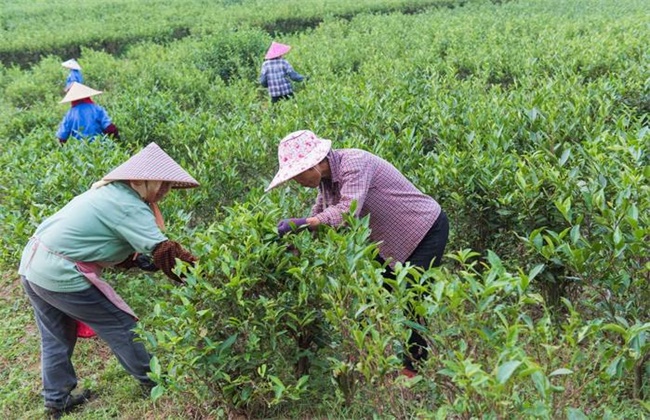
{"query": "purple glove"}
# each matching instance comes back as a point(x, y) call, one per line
point(285, 225)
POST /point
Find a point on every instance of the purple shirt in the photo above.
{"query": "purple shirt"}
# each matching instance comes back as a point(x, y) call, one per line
point(400, 214)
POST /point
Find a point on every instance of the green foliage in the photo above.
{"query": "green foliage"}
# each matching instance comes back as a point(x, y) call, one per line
point(256, 310)
point(56, 174)
point(232, 54)
point(527, 121)
point(30, 32)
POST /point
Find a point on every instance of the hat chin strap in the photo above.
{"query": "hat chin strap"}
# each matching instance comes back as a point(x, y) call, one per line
point(157, 215)
point(320, 174)
point(148, 190)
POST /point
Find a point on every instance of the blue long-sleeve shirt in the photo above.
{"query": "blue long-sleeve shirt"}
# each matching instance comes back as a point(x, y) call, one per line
point(73, 76)
point(83, 120)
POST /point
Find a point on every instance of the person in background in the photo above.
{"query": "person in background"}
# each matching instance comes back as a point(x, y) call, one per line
point(74, 75)
point(84, 119)
point(115, 223)
point(408, 225)
point(277, 73)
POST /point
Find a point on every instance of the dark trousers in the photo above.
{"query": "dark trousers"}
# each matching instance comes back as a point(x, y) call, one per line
point(56, 313)
point(428, 254)
point(275, 99)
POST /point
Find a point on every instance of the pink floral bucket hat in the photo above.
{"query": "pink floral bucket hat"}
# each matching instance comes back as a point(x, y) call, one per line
point(298, 152)
point(152, 164)
point(276, 50)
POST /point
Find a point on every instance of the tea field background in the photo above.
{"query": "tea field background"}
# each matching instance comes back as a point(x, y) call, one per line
point(527, 120)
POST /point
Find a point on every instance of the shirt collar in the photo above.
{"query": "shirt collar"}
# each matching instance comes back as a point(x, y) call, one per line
point(81, 101)
point(334, 160)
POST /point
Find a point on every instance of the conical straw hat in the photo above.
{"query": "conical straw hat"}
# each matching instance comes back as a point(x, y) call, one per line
point(298, 152)
point(152, 164)
point(71, 64)
point(79, 91)
point(276, 50)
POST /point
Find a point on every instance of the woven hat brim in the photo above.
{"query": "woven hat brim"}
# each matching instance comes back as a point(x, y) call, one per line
point(152, 164)
point(71, 64)
point(79, 91)
point(277, 50)
point(174, 184)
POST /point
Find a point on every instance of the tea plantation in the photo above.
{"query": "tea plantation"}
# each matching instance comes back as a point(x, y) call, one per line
point(528, 121)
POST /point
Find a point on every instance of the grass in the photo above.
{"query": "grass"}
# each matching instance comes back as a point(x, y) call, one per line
point(118, 394)
point(185, 110)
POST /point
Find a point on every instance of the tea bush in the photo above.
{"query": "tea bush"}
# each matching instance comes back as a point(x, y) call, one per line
point(258, 311)
point(30, 32)
point(527, 121)
point(232, 55)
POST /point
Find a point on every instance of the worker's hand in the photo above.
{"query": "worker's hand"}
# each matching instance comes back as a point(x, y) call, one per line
point(291, 225)
point(144, 262)
point(165, 254)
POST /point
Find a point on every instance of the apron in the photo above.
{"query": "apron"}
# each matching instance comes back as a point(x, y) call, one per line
point(92, 272)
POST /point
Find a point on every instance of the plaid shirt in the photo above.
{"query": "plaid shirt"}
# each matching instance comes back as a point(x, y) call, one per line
point(274, 77)
point(400, 214)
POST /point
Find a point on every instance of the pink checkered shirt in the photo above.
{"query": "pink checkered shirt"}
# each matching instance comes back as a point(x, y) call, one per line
point(400, 214)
